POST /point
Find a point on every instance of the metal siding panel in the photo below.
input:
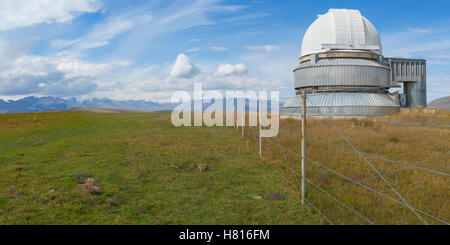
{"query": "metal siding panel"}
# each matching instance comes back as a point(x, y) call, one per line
point(353, 73)
point(339, 99)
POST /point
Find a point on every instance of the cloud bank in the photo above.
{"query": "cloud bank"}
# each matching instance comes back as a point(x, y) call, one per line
point(227, 70)
point(24, 13)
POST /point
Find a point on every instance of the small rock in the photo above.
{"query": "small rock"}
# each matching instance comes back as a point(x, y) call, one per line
point(256, 197)
point(89, 186)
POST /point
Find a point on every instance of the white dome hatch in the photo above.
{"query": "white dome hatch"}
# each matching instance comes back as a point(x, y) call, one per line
point(341, 29)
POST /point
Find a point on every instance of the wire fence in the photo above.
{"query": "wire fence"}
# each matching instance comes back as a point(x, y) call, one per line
point(407, 123)
point(285, 167)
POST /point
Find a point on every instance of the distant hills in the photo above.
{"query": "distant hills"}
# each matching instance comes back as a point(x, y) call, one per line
point(441, 103)
point(48, 103)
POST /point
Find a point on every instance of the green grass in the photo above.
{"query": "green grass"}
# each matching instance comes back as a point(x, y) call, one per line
point(150, 173)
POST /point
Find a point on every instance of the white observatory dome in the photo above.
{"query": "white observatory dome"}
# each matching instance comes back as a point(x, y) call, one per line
point(341, 29)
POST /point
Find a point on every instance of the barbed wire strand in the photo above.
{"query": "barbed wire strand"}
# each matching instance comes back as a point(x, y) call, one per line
point(343, 204)
point(376, 170)
point(403, 123)
point(371, 165)
point(355, 181)
point(321, 214)
point(328, 194)
point(373, 190)
point(298, 184)
point(355, 150)
point(397, 170)
point(318, 211)
point(375, 156)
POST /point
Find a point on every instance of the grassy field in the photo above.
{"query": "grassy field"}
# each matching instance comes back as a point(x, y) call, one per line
point(148, 172)
point(423, 189)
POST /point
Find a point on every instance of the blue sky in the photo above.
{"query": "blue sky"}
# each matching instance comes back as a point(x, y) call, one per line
point(123, 49)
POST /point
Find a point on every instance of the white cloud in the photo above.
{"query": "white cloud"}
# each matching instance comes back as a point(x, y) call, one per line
point(23, 13)
point(180, 16)
point(160, 89)
point(49, 76)
point(102, 33)
point(193, 50)
point(227, 70)
point(141, 27)
point(68, 72)
point(75, 68)
point(420, 30)
point(183, 67)
point(239, 82)
point(9, 51)
point(267, 48)
point(218, 48)
point(247, 17)
point(156, 83)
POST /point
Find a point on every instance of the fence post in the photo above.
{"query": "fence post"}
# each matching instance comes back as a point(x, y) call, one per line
point(234, 114)
point(303, 146)
point(243, 116)
point(260, 141)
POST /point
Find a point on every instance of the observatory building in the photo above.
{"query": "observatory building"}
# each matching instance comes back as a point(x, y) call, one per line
point(344, 73)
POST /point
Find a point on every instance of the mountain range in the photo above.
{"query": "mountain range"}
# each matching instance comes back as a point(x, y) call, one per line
point(48, 103)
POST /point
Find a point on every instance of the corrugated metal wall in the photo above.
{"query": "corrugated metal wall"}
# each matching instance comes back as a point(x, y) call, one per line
point(341, 111)
point(342, 72)
point(343, 104)
point(342, 99)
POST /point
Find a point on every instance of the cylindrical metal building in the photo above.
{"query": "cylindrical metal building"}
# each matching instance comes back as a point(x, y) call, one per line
point(342, 68)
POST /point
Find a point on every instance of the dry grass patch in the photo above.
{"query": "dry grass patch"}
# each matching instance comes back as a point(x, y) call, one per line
point(405, 145)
